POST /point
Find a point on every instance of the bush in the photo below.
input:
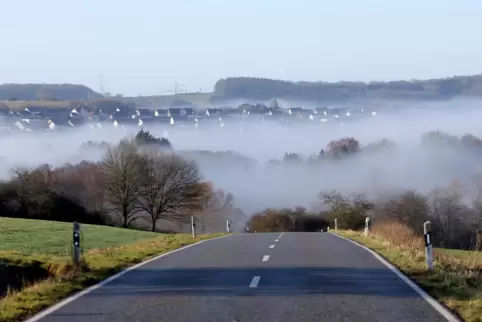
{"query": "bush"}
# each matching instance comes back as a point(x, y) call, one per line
point(146, 138)
point(350, 211)
point(292, 158)
point(276, 220)
point(343, 147)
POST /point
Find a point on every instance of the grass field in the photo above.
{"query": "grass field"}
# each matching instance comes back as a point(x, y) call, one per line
point(199, 99)
point(28, 237)
point(35, 264)
point(456, 280)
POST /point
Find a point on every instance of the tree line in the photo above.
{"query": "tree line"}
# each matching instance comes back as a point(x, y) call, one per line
point(139, 181)
point(455, 224)
point(348, 147)
point(265, 89)
point(46, 92)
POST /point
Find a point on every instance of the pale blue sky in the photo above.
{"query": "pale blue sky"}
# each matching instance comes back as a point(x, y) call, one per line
point(145, 46)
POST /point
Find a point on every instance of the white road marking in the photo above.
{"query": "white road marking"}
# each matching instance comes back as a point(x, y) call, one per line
point(276, 240)
point(436, 305)
point(265, 258)
point(74, 297)
point(272, 246)
point(254, 282)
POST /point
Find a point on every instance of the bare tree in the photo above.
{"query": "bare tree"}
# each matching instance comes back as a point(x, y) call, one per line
point(121, 179)
point(410, 208)
point(447, 209)
point(350, 211)
point(30, 189)
point(477, 199)
point(217, 205)
point(93, 195)
point(334, 200)
point(170, 187)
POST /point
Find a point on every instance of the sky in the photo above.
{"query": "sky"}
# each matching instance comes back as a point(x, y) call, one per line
point(144, 47)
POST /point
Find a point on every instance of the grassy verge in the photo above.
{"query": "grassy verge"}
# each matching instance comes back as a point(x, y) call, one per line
point(35, 265)
point(456, 280)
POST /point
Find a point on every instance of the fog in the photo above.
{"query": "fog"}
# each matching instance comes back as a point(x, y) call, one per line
point(288, 185)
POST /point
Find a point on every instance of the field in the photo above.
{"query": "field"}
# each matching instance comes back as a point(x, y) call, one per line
point(20, 105)
point(200, 99)
point(29, 237)
point(35, 263)
point(162, 101)
point(456, 280)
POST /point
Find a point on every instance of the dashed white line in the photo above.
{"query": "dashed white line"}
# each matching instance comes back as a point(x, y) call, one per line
point(265, 258)
point(254, 282)
point(272, 246)
point(91, 289)
point(276, 240)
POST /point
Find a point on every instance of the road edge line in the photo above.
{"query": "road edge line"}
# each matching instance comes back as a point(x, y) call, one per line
point(102, 283)
point(445, 312)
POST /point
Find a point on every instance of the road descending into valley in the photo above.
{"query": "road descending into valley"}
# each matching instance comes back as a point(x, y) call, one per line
point(255, 277)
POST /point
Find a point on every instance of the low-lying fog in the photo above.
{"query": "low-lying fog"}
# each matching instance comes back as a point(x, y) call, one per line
point(291, 185)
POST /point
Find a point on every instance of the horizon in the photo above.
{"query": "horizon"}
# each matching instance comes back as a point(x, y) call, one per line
point(267, 78)
point(147, 48)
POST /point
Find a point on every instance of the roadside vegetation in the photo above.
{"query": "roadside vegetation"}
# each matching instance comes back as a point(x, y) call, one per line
point(456, 280)
point(36, 268)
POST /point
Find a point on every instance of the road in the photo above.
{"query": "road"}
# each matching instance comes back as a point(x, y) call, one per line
point(256, 277)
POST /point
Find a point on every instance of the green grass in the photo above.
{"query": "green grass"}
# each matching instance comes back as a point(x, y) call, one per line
point(28, 236)
point(456, 280)
point(35, 261)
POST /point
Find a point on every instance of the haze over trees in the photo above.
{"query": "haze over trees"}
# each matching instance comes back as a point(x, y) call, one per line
point(405, 167)
point(137, 184)
point(454, 209)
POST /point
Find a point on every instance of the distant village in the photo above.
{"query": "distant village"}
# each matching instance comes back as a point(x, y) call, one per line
point(54, 118)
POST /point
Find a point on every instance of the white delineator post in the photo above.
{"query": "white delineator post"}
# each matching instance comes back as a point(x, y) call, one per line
point(427, 234)
point(336, 223)
point(367, 226)
point(193, 227)
point(76, 245)
point(228, 226)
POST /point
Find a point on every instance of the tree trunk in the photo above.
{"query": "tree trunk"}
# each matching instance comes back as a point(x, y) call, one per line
point(478, 240)
point(124, 217)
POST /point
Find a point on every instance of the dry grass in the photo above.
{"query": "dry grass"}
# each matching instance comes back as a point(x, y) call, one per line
point(456, 280)
point(17, 105)
point(38, 279)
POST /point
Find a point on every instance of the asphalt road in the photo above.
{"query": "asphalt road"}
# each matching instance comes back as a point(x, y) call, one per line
point(256, 277)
